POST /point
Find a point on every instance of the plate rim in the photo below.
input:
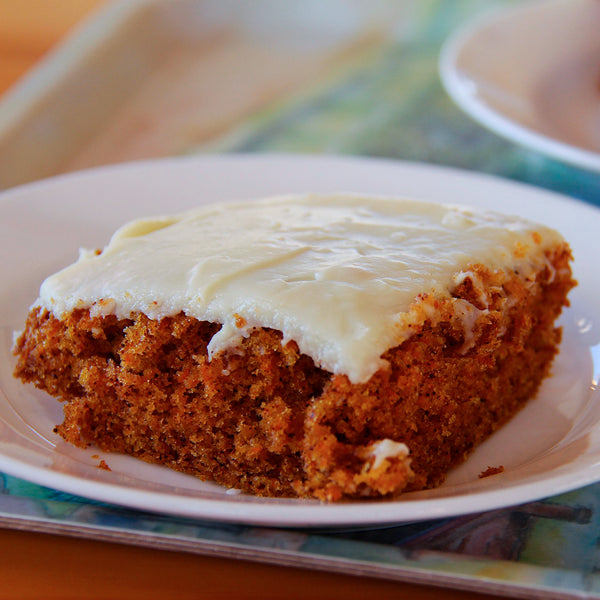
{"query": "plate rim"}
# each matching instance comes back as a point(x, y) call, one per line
point(305, 513)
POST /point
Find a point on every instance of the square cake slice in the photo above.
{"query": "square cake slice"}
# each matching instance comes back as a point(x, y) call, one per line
point(328, 347)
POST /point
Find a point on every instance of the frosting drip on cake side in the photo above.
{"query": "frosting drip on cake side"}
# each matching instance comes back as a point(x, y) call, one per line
point(335, 273)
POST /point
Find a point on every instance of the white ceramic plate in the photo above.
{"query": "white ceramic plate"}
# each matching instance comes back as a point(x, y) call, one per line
point(532, 74)
point(552, 446)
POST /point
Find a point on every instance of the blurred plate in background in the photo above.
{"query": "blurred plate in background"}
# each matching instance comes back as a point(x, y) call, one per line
point(532, 75)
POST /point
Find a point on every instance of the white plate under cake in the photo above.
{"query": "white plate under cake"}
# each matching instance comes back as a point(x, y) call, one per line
point(551, 446)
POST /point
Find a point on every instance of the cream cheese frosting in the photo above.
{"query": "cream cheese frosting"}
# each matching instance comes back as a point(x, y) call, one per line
point(335, 273)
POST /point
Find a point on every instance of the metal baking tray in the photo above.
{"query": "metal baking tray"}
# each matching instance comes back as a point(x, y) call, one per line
point(151, 78)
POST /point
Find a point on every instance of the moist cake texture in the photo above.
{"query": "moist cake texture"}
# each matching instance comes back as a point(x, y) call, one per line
point(315, 346)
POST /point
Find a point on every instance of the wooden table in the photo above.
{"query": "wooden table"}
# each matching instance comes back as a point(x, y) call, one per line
point(36, 565)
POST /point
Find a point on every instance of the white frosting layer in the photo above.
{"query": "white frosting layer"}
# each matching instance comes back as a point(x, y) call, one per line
point(335, 273)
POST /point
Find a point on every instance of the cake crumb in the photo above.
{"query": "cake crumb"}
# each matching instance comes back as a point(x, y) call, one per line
point(102, 465)
point(491, 471)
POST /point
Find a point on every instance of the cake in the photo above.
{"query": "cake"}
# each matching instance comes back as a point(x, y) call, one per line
point(330, 347)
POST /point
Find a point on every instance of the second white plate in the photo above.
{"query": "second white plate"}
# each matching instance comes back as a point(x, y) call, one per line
point(532, 75)
point(551, 446)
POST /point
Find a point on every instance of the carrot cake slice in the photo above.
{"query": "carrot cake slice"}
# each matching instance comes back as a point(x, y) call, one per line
point(332, 346)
